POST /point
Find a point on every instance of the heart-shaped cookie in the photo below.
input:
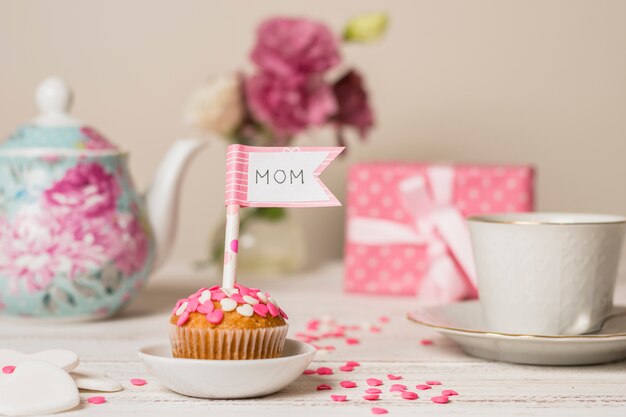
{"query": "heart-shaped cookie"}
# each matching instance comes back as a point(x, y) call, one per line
point(95, 381)
point(37, 387)
point(65, 359)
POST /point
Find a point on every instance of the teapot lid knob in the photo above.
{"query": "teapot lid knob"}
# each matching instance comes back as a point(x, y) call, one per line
point(54, 98)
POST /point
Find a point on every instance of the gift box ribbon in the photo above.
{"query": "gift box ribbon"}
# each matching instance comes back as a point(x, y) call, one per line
point(436, 224)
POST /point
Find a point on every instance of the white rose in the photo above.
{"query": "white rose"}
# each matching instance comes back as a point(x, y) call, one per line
point(217, 107)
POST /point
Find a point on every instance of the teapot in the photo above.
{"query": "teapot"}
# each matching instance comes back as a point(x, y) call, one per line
point(77, 240)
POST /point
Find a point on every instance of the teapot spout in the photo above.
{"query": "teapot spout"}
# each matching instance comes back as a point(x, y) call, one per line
point(163, 195)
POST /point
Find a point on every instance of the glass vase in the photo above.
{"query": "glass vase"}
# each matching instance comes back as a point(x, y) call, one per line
point(271, 241)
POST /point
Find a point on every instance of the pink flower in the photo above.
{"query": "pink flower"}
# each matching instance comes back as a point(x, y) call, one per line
point(291, 47)
point(288, 106)
point(353, 106)
point(87, 189)
point(36, 247)
point(129, 244)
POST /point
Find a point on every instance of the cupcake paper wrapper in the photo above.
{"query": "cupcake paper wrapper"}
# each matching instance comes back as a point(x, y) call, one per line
point(205, 343)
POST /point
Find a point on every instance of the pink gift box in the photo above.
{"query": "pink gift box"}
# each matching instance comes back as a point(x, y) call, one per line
point(406, 233)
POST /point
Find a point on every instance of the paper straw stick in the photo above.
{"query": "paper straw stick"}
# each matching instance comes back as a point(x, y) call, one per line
point(231, 246)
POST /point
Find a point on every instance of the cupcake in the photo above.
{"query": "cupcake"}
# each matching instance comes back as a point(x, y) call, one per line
point(222, 323)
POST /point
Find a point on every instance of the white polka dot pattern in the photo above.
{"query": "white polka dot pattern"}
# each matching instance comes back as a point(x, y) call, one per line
point(372, 192)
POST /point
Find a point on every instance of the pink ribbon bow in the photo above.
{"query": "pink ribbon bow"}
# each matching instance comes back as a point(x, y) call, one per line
point(438, 225)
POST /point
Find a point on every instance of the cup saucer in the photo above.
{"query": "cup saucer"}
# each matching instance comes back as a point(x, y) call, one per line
point(227, 379)
point(463, 322)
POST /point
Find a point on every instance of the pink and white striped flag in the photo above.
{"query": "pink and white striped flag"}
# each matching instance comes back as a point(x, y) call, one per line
point(278, 177)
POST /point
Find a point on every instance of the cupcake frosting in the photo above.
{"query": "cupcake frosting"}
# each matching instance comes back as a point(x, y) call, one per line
point(215, 301)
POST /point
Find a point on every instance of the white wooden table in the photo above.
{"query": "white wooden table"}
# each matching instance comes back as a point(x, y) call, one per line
point(486, 388)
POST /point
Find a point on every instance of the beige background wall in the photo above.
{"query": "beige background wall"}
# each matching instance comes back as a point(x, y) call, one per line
point(540, 82)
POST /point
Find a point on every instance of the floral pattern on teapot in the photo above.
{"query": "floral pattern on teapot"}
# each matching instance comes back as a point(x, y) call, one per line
point(74, 235)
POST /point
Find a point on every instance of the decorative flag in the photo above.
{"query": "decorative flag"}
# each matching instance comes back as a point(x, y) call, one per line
point(271, 177)
point(278, 177)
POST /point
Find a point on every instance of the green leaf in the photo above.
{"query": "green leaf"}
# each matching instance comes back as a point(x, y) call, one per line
point(366, 27)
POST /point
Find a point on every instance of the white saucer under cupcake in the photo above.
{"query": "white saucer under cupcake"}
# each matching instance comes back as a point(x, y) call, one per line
point(227, 379)
point(463, 322)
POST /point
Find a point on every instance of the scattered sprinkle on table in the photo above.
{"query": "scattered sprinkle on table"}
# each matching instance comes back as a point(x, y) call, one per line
point(393, 377)
point(339, 398)
point(408, 395)
point(383, 319)
point(433, 382)
point(423, 387)
point(352, 363)
point(309, 372)
point(426, 342)
point(440, 399)
point(372, 397)
point(324, 371)
point(346, 368)
point(378, 410)
point(373, 391)
point(348, 384)
point(8, 369)
point(96, 400)
point(374, 382)
point(448, 392)
point(138, 382)
point(397, 387)
point(352, 341)
point(323, 387)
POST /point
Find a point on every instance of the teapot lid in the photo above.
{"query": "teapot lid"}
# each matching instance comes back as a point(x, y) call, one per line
point(54, 128)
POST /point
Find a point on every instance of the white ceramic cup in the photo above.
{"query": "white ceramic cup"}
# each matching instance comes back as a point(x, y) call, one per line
point(546, 273)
